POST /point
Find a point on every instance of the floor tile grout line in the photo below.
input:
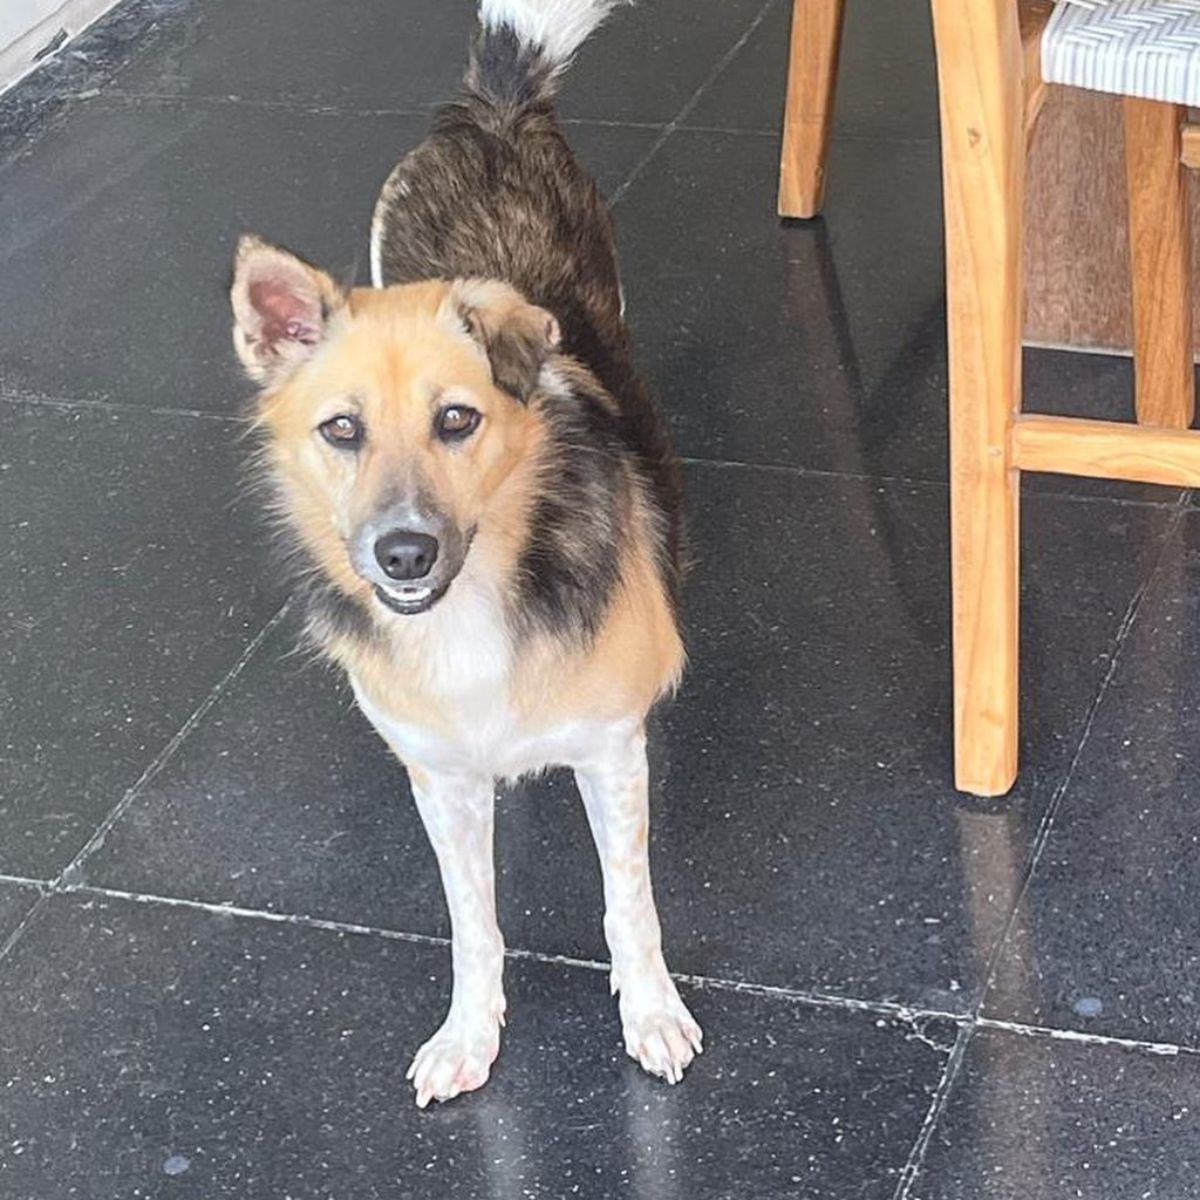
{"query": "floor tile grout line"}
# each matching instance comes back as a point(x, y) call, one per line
point(324, 108)
point(18, 397)
point(805, 471)
point(240, 912)
point(165, 755)
point(24, 924)
point(610, 123)
point(941, 1098)
point(1083, 1038)
point(38, 399)
point(911, 140)
point(904, 1013)
point(907, 481)
point(318, 108)
point(713, 75)
point(908, 1014)
point(313, 108)
point(25, 881)
point(1046, 825)
point(62, 881)
point(1082, 498)
point(968, 1027)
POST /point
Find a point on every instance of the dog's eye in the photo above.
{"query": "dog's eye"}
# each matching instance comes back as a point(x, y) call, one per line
point(455, 422)
point(343, 431)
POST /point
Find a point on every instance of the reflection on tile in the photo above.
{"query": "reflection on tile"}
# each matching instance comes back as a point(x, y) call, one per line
point(241, 1058)
point(132, 583)
point(1108, 938)
point(1031, 1117)
point(816, 345)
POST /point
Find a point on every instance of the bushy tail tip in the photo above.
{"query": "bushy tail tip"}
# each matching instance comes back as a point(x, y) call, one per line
point(555, 27)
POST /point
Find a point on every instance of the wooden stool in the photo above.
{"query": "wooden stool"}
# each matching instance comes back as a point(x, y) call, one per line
point(991, 83)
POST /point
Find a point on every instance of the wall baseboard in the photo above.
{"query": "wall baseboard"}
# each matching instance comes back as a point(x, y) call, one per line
point(72, 17)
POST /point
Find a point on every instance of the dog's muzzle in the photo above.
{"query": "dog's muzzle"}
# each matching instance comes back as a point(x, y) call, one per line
point(410, 562)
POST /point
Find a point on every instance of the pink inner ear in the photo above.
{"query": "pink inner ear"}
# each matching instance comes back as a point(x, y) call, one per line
point(285, 314)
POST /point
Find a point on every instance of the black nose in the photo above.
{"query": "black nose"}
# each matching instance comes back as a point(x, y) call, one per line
point(406, 554)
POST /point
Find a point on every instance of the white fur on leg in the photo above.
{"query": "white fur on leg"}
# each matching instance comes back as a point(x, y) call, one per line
point(659, 1031)
point(457, 811)
point(559, 27)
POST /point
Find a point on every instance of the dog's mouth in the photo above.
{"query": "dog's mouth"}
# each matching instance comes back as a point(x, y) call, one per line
point(411, 598)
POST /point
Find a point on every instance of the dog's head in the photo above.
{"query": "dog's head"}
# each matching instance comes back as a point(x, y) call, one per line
point(394, 417)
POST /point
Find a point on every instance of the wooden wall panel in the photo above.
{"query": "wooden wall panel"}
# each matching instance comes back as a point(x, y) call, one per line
point(1076, 226)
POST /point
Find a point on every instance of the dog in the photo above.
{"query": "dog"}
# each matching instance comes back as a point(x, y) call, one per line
point(487, 508)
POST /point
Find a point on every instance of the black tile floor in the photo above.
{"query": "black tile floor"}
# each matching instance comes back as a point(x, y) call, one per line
point(221, 930)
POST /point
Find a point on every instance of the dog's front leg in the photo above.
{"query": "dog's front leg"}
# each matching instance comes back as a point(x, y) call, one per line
point(659, 1031)
point(457, 811)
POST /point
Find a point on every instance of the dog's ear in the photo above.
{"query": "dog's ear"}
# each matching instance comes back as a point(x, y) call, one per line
point(281, 309)
point(516, 336)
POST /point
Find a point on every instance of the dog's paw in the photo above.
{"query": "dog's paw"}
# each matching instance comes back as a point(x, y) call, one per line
point(458, 1058)
point(659, 1031)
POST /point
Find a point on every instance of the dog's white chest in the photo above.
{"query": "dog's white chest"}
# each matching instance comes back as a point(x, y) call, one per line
point(485, 738)
point(466, 659)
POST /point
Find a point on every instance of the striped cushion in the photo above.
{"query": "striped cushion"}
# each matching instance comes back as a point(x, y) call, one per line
point(1146, 48)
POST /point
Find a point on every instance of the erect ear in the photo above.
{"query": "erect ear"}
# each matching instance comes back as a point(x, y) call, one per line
point(516, 336)
point(281, 309)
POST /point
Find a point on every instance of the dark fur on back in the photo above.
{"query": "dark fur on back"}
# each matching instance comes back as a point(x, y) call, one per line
point(580, 521)
point(495, 192)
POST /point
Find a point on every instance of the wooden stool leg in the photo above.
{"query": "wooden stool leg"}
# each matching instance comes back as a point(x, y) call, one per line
point(812, 81)
point(1160, 247)
point(983, 164)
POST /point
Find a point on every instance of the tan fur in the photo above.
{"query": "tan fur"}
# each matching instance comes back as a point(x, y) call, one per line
point(637, 658)
point(390, 355)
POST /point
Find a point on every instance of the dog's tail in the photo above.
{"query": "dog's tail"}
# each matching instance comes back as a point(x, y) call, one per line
point(523, 46)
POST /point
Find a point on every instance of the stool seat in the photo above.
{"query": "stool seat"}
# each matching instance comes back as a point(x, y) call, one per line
point(1149, 49)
